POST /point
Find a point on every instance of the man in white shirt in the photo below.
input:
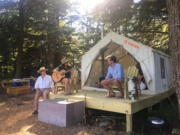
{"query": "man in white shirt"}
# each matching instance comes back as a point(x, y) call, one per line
point(43, 85)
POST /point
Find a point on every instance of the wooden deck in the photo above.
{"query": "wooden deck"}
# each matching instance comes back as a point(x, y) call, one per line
point(98, 100)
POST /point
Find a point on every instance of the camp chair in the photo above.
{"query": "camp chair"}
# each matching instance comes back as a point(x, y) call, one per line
point(132, 71)
point(59, 86)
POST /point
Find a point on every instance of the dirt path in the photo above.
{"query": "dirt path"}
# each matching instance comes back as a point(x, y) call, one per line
point(16, 119)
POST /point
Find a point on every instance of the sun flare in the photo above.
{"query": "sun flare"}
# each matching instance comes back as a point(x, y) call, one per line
point(87, 5)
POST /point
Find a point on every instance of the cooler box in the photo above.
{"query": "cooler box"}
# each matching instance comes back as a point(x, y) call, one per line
point(61, 112)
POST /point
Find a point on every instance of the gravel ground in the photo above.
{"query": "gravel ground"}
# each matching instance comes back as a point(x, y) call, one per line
point(16, 119)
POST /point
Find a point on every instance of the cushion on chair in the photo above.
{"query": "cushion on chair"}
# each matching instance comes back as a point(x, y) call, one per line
point(132, 71)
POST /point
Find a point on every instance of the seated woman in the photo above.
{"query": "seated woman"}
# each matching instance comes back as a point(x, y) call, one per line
point(141, 79)
point(142, 83)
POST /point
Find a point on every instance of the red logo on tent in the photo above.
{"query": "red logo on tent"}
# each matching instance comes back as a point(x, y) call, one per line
point(131, 44)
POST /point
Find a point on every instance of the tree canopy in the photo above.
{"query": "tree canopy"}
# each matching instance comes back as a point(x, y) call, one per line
point(34, 33)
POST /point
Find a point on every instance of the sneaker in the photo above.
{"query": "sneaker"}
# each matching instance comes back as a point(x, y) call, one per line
point(120, 95)
point(111, 94)
point(35, 112)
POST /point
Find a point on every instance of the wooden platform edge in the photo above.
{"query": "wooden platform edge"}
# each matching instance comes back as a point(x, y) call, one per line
point(142, 104)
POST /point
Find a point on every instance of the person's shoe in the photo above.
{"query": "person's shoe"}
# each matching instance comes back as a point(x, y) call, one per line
point(66, 94)
point(120, 95)
point(108, 96)
point(111, 94)
point(69, 93)
point(35, 112)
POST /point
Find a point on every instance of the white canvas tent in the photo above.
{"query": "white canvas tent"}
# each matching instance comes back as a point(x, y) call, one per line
point(155, 65)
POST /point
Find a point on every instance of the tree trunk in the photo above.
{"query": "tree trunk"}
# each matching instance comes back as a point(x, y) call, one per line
point(20, 40)
point(52, 34)
point(173, 7)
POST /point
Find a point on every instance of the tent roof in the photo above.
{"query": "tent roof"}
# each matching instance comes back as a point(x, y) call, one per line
point(111, 38)
point(142, 53)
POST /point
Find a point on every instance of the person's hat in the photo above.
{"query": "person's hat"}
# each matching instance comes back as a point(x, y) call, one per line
point(64, 60)
point(42, 69)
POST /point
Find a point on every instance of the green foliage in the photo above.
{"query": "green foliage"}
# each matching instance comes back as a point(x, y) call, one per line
point(145, 21)
point(176, 131)
point(45, 39)
point(48, 30)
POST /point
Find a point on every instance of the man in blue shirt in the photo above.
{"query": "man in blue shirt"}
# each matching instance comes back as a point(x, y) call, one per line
point(115, 76)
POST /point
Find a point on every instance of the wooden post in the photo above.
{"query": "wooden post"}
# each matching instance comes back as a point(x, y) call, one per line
point(102, 63)
point(129, 123)
point(150, 109)
point(125, 88)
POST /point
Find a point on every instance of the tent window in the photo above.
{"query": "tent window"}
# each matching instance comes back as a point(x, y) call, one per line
point(162, 62)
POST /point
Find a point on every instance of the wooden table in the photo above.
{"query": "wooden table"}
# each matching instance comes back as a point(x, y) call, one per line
point(16, 87)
